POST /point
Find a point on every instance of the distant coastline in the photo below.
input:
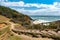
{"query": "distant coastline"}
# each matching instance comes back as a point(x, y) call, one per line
point(45, 17)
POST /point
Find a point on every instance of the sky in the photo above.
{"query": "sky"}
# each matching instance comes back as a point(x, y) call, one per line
point(34, 7)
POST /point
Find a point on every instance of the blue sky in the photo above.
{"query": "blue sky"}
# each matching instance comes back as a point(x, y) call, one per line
point(35, 1)
point(34, 7)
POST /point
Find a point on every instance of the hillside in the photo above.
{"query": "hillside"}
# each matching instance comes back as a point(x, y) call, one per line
point(17, 26)
point(7, 14)
point(3, 18)
point(15, 16)
point(5, 33)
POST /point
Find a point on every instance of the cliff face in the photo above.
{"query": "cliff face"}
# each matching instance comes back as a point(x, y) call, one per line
point(15, 16)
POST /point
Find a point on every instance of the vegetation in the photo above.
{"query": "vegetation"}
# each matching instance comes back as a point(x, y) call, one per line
point(51, 26)
point(15, 16)
point(12, 37)
point(4, 30)
point(25, 21)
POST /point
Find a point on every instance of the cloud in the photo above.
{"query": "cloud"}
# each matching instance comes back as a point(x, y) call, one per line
point(3, 0)
point(46, 9)
point(40, 11)
point(21, 3)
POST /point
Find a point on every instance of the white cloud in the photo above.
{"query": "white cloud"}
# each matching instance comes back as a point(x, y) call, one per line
point(47, 9)
point(3, 0)
point(21, 3)
point(40, 11)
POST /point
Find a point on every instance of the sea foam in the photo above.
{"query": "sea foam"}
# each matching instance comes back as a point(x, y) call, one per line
point(39, 21)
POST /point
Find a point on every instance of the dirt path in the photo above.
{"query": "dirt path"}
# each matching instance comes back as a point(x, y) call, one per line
point(4, 36)
point(3, 27)
point(25, 37)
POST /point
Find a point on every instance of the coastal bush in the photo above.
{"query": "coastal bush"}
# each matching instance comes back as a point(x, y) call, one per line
point(36, 27)
point(15, 16)
point(13, 37)
point(4, 30)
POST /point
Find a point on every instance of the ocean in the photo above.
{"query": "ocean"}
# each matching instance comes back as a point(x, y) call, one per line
point(45, 18)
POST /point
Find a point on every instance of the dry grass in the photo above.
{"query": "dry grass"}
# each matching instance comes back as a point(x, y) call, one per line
point(25, 37)
point(2, 25)
point(3, 18)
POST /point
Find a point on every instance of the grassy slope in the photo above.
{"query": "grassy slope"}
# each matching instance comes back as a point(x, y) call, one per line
point(5, 34)
point(14, 15)
point(3, 18)
point(7, 14)
point(13, 38)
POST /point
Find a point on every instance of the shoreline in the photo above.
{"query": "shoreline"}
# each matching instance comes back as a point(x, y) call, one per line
point(42, 21)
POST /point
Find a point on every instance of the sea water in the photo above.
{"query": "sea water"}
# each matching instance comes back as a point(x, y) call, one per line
point(45, 18)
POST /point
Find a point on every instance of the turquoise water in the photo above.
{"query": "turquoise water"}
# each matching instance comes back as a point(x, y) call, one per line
point(46, 18)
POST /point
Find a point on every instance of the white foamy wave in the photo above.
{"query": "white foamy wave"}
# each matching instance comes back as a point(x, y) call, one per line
point(39, 21)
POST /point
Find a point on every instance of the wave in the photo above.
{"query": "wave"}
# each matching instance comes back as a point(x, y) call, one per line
point(40, 21)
